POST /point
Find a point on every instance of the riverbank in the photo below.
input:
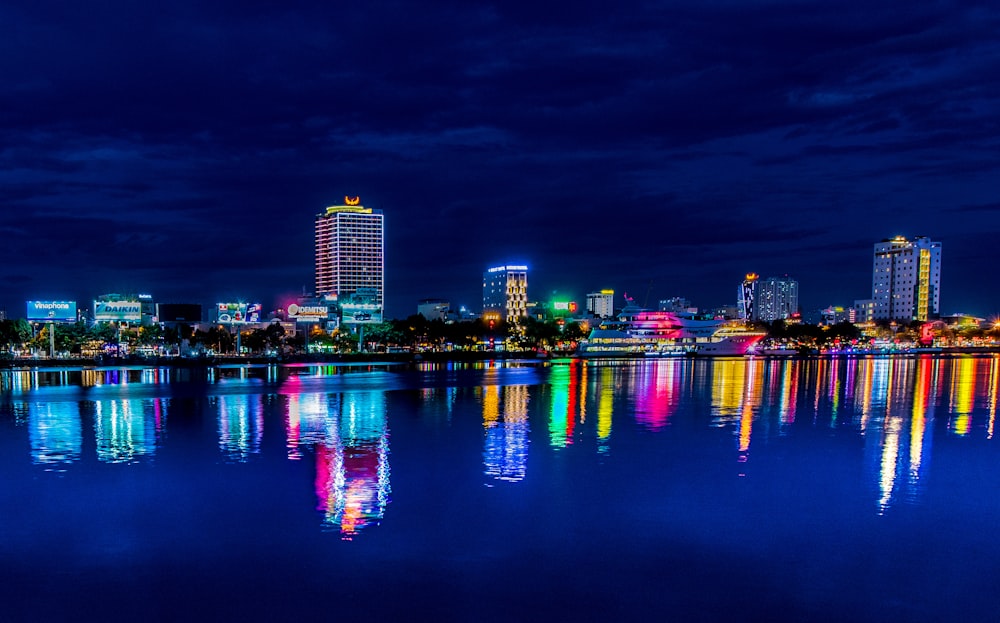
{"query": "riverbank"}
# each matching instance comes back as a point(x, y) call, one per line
point(431, 357)
point(349, 358)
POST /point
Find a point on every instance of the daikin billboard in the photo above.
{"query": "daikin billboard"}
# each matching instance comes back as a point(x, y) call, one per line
point(118, 311)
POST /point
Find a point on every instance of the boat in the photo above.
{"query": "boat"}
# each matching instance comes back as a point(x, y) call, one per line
point(639, 332)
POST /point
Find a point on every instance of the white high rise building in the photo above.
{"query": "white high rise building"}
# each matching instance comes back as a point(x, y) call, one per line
point(906, 279)
point(350, 263)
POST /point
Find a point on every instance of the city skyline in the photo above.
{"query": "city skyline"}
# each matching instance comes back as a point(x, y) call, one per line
point(662, 151)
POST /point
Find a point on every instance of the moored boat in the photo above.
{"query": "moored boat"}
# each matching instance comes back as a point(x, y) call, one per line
point(643, 333)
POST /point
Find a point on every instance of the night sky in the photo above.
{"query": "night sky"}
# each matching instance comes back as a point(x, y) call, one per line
point(663, 149)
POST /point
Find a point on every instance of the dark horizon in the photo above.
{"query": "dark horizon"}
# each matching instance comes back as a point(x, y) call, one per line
point(659, 150)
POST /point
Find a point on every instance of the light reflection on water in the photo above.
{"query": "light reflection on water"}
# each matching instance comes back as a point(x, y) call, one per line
point(341, 416)
point(727, 489)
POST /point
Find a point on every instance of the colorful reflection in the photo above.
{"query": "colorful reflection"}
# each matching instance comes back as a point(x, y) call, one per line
point(125, 430)
point(561, 417)
point(241, 426)
point(352, 462)
point(307, 422)
point(889, 404)
point(900, 448)
point(605, 408)
point(788, 393)
point(17, 381)
point(737, 392)
point(505, 455)
point(963, 386)
point(55, 433)
point(656, 390)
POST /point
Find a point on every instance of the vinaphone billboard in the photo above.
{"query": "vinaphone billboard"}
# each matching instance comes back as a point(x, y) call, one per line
point(55, 311)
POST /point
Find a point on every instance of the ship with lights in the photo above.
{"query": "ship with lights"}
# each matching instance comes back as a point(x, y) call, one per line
point(637, 332)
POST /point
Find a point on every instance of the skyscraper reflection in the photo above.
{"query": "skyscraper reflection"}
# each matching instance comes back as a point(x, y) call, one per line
point(505, 453)
point(788, 392)
point(737, 392)
point(963, 385)
point(352, 462)
point(901, 456)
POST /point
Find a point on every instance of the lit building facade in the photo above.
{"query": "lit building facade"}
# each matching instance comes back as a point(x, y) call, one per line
point(746, 297)
point(678, 305)
point(835, 314)
point(505, 291)
point(864, 311)
point(349, 253)
point(906, 279)
point(601, 304)
point(777, 299)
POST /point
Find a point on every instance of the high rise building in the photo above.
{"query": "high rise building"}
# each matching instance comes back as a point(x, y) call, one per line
point(505, 291)
point(350, 263)
point(777, 298)
point(746, 297)
point(906, 279)
point(601, 304)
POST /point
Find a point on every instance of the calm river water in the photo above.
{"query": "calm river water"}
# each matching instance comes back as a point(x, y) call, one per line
point(861, 489)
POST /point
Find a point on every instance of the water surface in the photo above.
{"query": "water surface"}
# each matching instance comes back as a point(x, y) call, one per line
point(862, 489)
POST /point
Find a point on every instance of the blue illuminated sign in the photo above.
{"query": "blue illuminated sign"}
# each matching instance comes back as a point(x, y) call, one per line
point(56, 311)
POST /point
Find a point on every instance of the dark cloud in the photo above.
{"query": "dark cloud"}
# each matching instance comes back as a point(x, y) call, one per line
point(186, 148)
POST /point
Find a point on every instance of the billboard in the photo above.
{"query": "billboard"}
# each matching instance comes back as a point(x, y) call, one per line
point(354, 313)
point(118, 311)
point(308, 313)
point(237, 313)
point(55, 311)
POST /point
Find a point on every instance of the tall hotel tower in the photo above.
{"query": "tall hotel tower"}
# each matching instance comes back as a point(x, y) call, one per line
point(505, 291)
point(906, 279)
point(349, 259)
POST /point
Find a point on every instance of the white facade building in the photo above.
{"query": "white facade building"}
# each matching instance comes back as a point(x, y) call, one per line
point(906, 279)
point(601, 304)
point(349, 253)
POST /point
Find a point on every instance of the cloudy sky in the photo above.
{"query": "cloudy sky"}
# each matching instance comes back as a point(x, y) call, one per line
point(659, 148)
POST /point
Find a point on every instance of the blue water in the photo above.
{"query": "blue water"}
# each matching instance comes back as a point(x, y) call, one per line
point(860, 489)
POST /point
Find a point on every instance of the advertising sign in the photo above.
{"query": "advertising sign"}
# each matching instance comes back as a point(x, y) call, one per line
point(308, 313)
point(361, 313)
point(55, 311)
point(237, 313)
point(361, 307)
point(117, 311)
